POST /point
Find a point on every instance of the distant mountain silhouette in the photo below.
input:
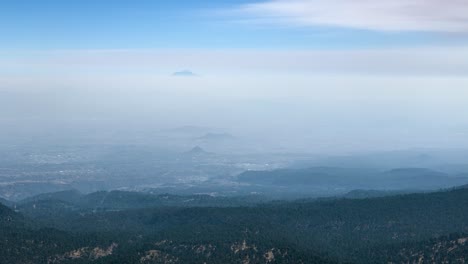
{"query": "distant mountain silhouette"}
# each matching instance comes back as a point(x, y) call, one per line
point(328, 177)
point(184, 73)
point(366, 194)
point(216, 136)
point(188, 131)
point(5, 202)
point(420, 173)
point(197, 151)
point(8, 216)
point(69, 196)
point(4, 210)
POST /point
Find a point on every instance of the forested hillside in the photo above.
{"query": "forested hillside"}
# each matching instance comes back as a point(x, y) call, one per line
point(370, 230)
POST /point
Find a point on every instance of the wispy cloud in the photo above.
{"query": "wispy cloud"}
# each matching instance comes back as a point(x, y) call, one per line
point(447, 16)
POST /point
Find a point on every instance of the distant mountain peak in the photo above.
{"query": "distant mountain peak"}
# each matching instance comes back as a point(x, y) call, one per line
point(217, 136)
point(197, 150)
point(184, 73)
point(412, 170)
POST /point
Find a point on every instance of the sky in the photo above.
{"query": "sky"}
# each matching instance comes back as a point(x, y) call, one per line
point(209, 24)
point(318, 75)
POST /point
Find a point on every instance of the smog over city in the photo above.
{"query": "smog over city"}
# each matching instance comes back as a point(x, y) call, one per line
point(233, 131)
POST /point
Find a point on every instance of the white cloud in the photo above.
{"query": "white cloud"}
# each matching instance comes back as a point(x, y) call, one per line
point(380, 15)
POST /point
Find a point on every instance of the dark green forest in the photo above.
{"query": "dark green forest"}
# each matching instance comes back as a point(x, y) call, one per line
point(126, 227)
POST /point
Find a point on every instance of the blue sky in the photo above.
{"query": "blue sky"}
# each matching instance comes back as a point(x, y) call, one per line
point(388, 36)
point(185, 24)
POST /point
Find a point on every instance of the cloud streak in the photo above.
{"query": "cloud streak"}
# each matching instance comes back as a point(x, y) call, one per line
point(384, 15)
